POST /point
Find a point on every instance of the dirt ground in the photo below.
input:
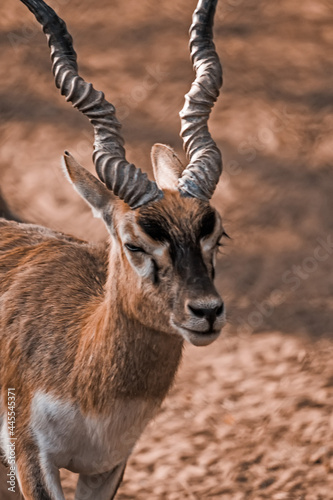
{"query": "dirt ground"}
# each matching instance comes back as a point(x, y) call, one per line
point(249, 417)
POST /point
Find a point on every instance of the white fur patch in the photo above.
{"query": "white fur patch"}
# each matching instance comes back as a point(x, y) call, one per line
point(4, 436)
point(87, 444)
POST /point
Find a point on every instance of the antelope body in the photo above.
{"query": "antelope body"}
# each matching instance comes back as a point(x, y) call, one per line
point(91, 336)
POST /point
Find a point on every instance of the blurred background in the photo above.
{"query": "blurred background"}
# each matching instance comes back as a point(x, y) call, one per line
point(250, 417)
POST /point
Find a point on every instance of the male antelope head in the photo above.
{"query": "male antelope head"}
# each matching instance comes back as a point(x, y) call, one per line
point(164, 234)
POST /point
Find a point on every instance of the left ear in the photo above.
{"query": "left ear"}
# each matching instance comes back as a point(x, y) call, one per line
point(91, 189)
point(167, 166)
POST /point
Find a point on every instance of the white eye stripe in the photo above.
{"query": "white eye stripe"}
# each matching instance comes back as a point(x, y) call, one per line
point(146, 268)
point(161, 250)
point(209, 244)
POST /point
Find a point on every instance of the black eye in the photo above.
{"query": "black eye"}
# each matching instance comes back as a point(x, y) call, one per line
point(207, 225)
point(133, 248)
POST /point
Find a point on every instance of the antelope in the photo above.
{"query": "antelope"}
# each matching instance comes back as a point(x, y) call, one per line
point(92, 335)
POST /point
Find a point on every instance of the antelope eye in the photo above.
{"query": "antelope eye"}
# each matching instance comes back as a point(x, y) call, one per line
point(220, 243)
point(133, 248)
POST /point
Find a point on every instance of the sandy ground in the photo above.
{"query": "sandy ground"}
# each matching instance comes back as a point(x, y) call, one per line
point(251, 416)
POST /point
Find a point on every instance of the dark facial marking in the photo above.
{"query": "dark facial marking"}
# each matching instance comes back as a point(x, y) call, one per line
point(213, 271)
point(158, 228)
point(155, 229)
point(155, 273)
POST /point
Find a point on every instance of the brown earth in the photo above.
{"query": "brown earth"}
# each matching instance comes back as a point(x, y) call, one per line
point(250, 417)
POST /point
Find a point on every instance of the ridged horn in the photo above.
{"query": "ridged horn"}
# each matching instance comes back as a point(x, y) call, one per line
point(123, 178)
point(202, 174)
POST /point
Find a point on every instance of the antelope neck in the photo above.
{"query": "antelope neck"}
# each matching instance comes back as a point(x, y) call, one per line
point(119, 358)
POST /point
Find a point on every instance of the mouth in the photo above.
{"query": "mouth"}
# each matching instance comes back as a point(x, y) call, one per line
point(197, 337)
point(210, 331)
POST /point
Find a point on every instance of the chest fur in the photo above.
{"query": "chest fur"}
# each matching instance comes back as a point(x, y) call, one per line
point(84, 443)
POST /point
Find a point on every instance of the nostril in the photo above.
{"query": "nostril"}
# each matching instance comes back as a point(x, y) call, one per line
point(199, 312)
point(219, 310)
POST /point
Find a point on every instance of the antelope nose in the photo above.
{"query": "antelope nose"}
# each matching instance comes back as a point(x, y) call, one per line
point(208, 311)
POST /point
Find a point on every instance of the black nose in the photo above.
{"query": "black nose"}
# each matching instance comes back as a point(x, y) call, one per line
point(210, 313)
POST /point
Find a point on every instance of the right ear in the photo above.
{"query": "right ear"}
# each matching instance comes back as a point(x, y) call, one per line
point(88, 186)
point(167, 166)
